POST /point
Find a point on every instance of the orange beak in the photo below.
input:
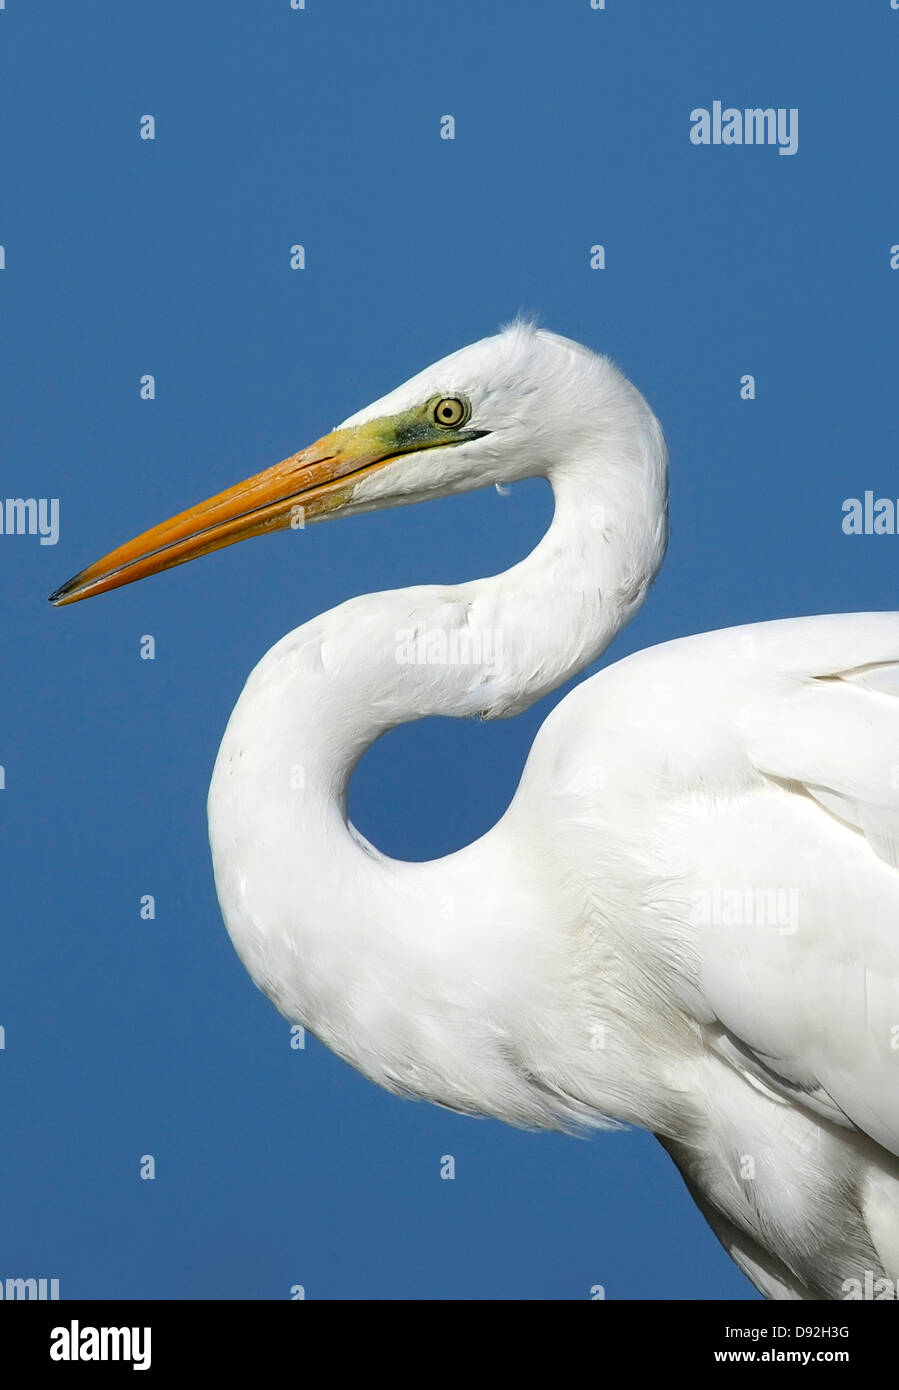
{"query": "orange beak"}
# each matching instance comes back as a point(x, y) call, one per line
point(303, 487)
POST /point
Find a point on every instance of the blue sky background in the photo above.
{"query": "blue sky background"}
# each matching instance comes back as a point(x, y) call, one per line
point(123, 1037)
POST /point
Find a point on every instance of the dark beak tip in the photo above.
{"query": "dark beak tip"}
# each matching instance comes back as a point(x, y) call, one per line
point(64, 590)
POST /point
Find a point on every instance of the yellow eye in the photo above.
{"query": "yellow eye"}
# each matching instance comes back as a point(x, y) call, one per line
point(450, 411)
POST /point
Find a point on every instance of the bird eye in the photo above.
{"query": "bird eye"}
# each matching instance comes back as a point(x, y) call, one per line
point(450, 411)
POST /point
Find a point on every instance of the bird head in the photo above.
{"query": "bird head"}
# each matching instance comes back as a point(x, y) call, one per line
point(505, 408)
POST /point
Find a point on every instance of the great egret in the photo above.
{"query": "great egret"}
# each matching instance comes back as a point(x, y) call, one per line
point(686, 919)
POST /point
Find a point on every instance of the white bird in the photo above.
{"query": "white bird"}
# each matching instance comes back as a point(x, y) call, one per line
point(688, 918)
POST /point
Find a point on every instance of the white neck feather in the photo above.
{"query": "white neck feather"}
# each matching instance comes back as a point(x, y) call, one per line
point(444, 979)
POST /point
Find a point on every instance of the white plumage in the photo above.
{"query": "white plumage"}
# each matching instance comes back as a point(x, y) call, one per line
point(687, 918)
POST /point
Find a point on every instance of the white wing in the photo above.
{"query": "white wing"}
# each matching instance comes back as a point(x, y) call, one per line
point(807, 974)
point(743, 787)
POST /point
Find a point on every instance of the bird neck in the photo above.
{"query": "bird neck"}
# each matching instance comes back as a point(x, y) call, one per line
point(448, 979)
point(491, 647)
point(560, 607)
